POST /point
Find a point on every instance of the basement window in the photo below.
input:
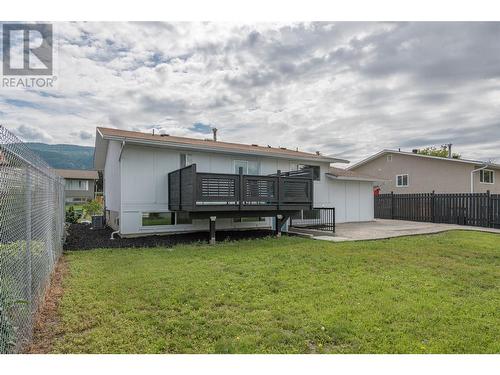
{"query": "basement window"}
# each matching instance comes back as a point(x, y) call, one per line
point(183, 218)
point(247, 219)
point(402, 180)
point(487, 176)
point(150, 219)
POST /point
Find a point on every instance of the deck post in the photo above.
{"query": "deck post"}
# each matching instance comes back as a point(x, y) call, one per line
point(278, 188)
point(212, 229)
point(241, 191)
point(279, 223)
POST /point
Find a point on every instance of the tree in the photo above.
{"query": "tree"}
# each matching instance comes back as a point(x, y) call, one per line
point(441, 152)
point(93, 208)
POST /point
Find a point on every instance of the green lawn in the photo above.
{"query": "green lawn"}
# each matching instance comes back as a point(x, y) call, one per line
point(425, 294)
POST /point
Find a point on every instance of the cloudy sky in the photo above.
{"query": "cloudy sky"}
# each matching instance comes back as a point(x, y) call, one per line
point(346, 89)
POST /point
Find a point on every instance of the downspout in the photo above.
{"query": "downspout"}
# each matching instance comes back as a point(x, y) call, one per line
point(119, 159)
point(472, 177)
point(121, 150)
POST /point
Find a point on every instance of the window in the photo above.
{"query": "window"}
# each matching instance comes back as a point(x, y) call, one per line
point(186, 159)
point(402, 180)
point(183, 218)
point(249, 167)
point(76, 185)
point(487, 176)
point(247, 219)
point(389, 158)
point(157, 218)
point(316, 170)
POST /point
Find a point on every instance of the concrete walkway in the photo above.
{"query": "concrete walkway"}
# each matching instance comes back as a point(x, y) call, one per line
point(381, 228)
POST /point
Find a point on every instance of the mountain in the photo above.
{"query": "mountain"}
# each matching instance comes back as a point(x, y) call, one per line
point(65, 156)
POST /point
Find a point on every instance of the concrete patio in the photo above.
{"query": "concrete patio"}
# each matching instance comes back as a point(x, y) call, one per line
point(382, 228)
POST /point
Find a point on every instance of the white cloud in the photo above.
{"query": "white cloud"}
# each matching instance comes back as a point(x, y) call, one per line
point(344, 88)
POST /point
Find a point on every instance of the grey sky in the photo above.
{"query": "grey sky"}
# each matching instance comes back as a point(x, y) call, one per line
point(347, 89)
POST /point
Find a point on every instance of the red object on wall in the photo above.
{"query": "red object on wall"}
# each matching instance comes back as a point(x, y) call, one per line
point(376, 191)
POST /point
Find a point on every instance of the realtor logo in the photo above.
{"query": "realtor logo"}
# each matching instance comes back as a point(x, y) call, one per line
point(27, 49)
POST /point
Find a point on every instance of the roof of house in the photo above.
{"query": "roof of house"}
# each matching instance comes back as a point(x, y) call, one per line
point(384, 152)
point(79, 174)
point(345, 174)
point(209, 145)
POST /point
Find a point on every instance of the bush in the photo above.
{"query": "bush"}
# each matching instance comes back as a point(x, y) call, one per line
point(92, 208)
point(72, 216)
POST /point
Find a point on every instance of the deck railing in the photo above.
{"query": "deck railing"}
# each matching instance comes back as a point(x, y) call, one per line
point(321, 218)
point(193, 191)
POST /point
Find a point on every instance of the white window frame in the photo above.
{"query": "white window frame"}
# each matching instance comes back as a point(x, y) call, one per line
point(481, 173)
point(245, 169)
point(402, 177)
point(69, 185)
point(188, 157)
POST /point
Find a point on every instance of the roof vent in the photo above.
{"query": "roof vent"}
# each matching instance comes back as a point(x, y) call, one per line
point(283, 148)
point(269, 146)
point(255, 145)
point(165, 135)
point(318, 153)
point(214, 130)
point(415, 150)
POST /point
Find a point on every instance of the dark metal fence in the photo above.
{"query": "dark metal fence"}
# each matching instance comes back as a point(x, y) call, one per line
point(476, 209)
point(321, 218)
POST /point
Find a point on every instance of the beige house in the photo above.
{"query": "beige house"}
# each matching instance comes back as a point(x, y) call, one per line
point(79, 185)
point(409, 172)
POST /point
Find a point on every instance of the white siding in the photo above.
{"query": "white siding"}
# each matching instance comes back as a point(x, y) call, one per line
point(144, 188)
point(353, 200)
point(111, 177)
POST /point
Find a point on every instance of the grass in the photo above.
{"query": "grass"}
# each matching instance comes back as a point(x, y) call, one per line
point(424, 294)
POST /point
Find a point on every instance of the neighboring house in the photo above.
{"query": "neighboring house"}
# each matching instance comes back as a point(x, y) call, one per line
point(410, 172)
point(136, 168)
point(79, 185)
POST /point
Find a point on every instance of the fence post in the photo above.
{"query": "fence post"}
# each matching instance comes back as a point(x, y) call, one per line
point(28, 239)
point(433, 212)
point(488, 209)
point(392, 205)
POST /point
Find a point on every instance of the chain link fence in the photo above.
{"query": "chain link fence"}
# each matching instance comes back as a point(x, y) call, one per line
point(31, 237)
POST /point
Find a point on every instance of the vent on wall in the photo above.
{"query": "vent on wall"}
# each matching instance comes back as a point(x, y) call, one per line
point(389, 158)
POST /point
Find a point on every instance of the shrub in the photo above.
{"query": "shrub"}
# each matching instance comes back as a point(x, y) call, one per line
point(72, 216)
point(93, 208)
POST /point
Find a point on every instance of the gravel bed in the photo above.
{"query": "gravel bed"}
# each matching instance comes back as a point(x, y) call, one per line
point(81, 237)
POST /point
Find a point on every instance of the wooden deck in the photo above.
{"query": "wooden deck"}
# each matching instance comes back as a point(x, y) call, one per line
point(239, 194)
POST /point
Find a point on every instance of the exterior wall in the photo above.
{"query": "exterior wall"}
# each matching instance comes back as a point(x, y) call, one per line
point(83, 194)
point(144, 181)
point(113, 219)
point(111, 177)
point(426, 175)
point(353, 200)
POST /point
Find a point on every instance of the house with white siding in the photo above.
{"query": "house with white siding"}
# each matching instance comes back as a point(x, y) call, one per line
point(157, 184)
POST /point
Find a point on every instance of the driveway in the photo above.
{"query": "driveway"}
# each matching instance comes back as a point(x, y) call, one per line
point(382, 228)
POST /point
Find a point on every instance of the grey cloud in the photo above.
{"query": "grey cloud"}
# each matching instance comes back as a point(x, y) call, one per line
point(84, 135)
point(32, 134)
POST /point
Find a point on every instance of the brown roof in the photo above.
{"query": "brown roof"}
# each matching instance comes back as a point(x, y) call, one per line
point(339, 172)
point(79, 174)
point(208, 143)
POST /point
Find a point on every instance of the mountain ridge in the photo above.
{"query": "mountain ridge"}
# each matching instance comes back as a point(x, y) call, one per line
point(64, 156)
